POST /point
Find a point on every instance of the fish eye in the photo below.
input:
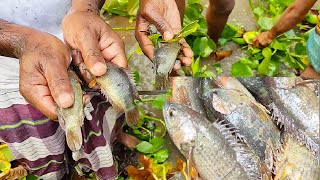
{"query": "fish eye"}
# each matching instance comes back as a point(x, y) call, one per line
point(171, 112)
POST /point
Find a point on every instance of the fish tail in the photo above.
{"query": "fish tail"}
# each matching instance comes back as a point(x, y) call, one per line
point(74, 138)
point(132, 116)
point(161, 82)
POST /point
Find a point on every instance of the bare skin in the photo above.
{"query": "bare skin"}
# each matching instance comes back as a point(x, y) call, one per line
point(217, 16)
point(166, 17)
point(290, 17)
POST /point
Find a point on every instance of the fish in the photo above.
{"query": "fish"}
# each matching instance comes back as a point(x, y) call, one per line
point(187, 91)
point(249, 117)
point(295, 161)
point(296, 110)
point(165, 56)
point(71, 119)
point(120, 91)
point(217, 149)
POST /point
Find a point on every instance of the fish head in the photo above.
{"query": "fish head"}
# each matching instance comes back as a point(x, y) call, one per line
point(181, 126)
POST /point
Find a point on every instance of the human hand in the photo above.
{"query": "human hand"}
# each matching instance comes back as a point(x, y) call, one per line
point(264, 39)
point(44, 80)
point(87, 33)
point(165, 16)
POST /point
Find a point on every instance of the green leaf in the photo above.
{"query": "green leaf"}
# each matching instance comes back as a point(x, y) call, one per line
point(231, 31)
point(193, 12)
point(300, 49)
point(193, 1)
point(203, 46)
point(160, 156)
point(241, 70)
point(265, 23)
point(136, 78)
point(249, 36)
point(159, 101)
point(276, 45)
point(132, 7)
point(222, 41)
point(187, 30)
point(145, 147)
point(195, 66)
point(252, 64)
point(258, 11)
point(154, 38)
point(239, 41)
point(266, 52)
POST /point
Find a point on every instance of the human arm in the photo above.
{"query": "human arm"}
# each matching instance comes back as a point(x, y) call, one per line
point(290, 17)
point(85, 32)
point(165, 15)
point(44, 60)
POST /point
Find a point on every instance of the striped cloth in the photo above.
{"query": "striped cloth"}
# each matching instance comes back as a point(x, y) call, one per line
point(39, 143)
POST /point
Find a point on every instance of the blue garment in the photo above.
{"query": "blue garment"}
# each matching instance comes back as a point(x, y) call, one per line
point(313, 50)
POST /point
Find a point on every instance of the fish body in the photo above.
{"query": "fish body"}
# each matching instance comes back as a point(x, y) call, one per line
point(165, 56)
point(295, 161)
point(295, 109)
point(120, 91)
point(187, 91)
point(248, 116)
point(71, 119)
point(217, 150)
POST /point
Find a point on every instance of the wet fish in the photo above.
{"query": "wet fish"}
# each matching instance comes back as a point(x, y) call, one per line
point(165, 56)
point(187, 91)
point(217, 149)
point(120, 91)
point(296, 109)
point(71, 119)
point(248, 116)
point(294, 161)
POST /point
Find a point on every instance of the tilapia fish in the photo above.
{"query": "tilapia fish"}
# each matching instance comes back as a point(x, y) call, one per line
point(120, 91)
point(71, 119)
point(218, 151)
point(295, 161)
point(248, 116)
point(296, 110)
point(165, 56)
point(187, 91)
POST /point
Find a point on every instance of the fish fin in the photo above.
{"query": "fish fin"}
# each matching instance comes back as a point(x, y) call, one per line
point(130, 74)
point(181, 96)
point(239, 143)
point(278, 160)
point(268, 164)
point(74, 138)
point(287, 125)
point(132, 116)
point(161, 82)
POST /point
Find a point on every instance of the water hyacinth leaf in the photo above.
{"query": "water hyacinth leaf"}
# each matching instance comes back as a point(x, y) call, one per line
point(249, 36)
point(276, 45)
point(154, 38)
point(132, 7)
point(252, 64)
point(265, 23)
point(203, 46)
point(239, 69)
point(193, 1)
point(159, 101)
point(195, 66)
point(258, 11)
point(300, 49)
point(160, 156)
point(145, 147)
point(267, 53)
point(268, 68)
point(187, 30)
point(136, 78)
point(193, 11)
point(239, 41)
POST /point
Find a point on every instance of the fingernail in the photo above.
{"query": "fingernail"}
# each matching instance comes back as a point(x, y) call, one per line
point(99, 69)
point(167, 35)
point(65, 100)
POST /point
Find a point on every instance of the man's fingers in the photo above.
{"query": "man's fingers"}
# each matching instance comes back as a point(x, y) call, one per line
point(116, 54)
point(91, 53)
point(185, 60)
point(142, 37)
point(59, 84)
point(161, 24)
point(39, 97)
point(76, 57)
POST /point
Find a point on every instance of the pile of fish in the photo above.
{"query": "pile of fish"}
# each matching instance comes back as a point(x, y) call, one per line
point(119, 90)
point(246, 128)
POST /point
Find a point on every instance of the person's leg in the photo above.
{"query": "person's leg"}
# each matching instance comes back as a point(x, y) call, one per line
point(311, 73)
point(217, 16)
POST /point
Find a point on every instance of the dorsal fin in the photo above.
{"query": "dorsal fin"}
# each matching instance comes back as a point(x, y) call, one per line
point(132, 83)
point(245, 155)
point(278, 159)
point(286, 124)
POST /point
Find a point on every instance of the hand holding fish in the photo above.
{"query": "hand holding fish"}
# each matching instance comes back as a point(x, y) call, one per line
point(86, 32)
point(165, 16)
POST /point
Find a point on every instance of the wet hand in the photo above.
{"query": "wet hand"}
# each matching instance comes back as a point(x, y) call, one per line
point(87, 33)
point(165, 16)
point(43, 73)
point(264, 39)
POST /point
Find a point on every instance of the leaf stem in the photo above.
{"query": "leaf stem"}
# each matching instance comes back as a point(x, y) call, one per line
point(156, 119)
point(124, 28)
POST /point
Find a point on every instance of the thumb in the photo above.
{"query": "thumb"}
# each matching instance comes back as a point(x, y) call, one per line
point(59, 84)
point(91, 53)
point(161, 24)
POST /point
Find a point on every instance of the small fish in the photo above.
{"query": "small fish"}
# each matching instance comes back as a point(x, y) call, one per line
point(165, 56)
point(294, 161)
point(120, 91)
point(217, 149)
point(187, 91)
point(71, 119)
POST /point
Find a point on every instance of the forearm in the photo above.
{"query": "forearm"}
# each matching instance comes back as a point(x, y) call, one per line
point(292, 16)
point(11, 39)
point(87, 5)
